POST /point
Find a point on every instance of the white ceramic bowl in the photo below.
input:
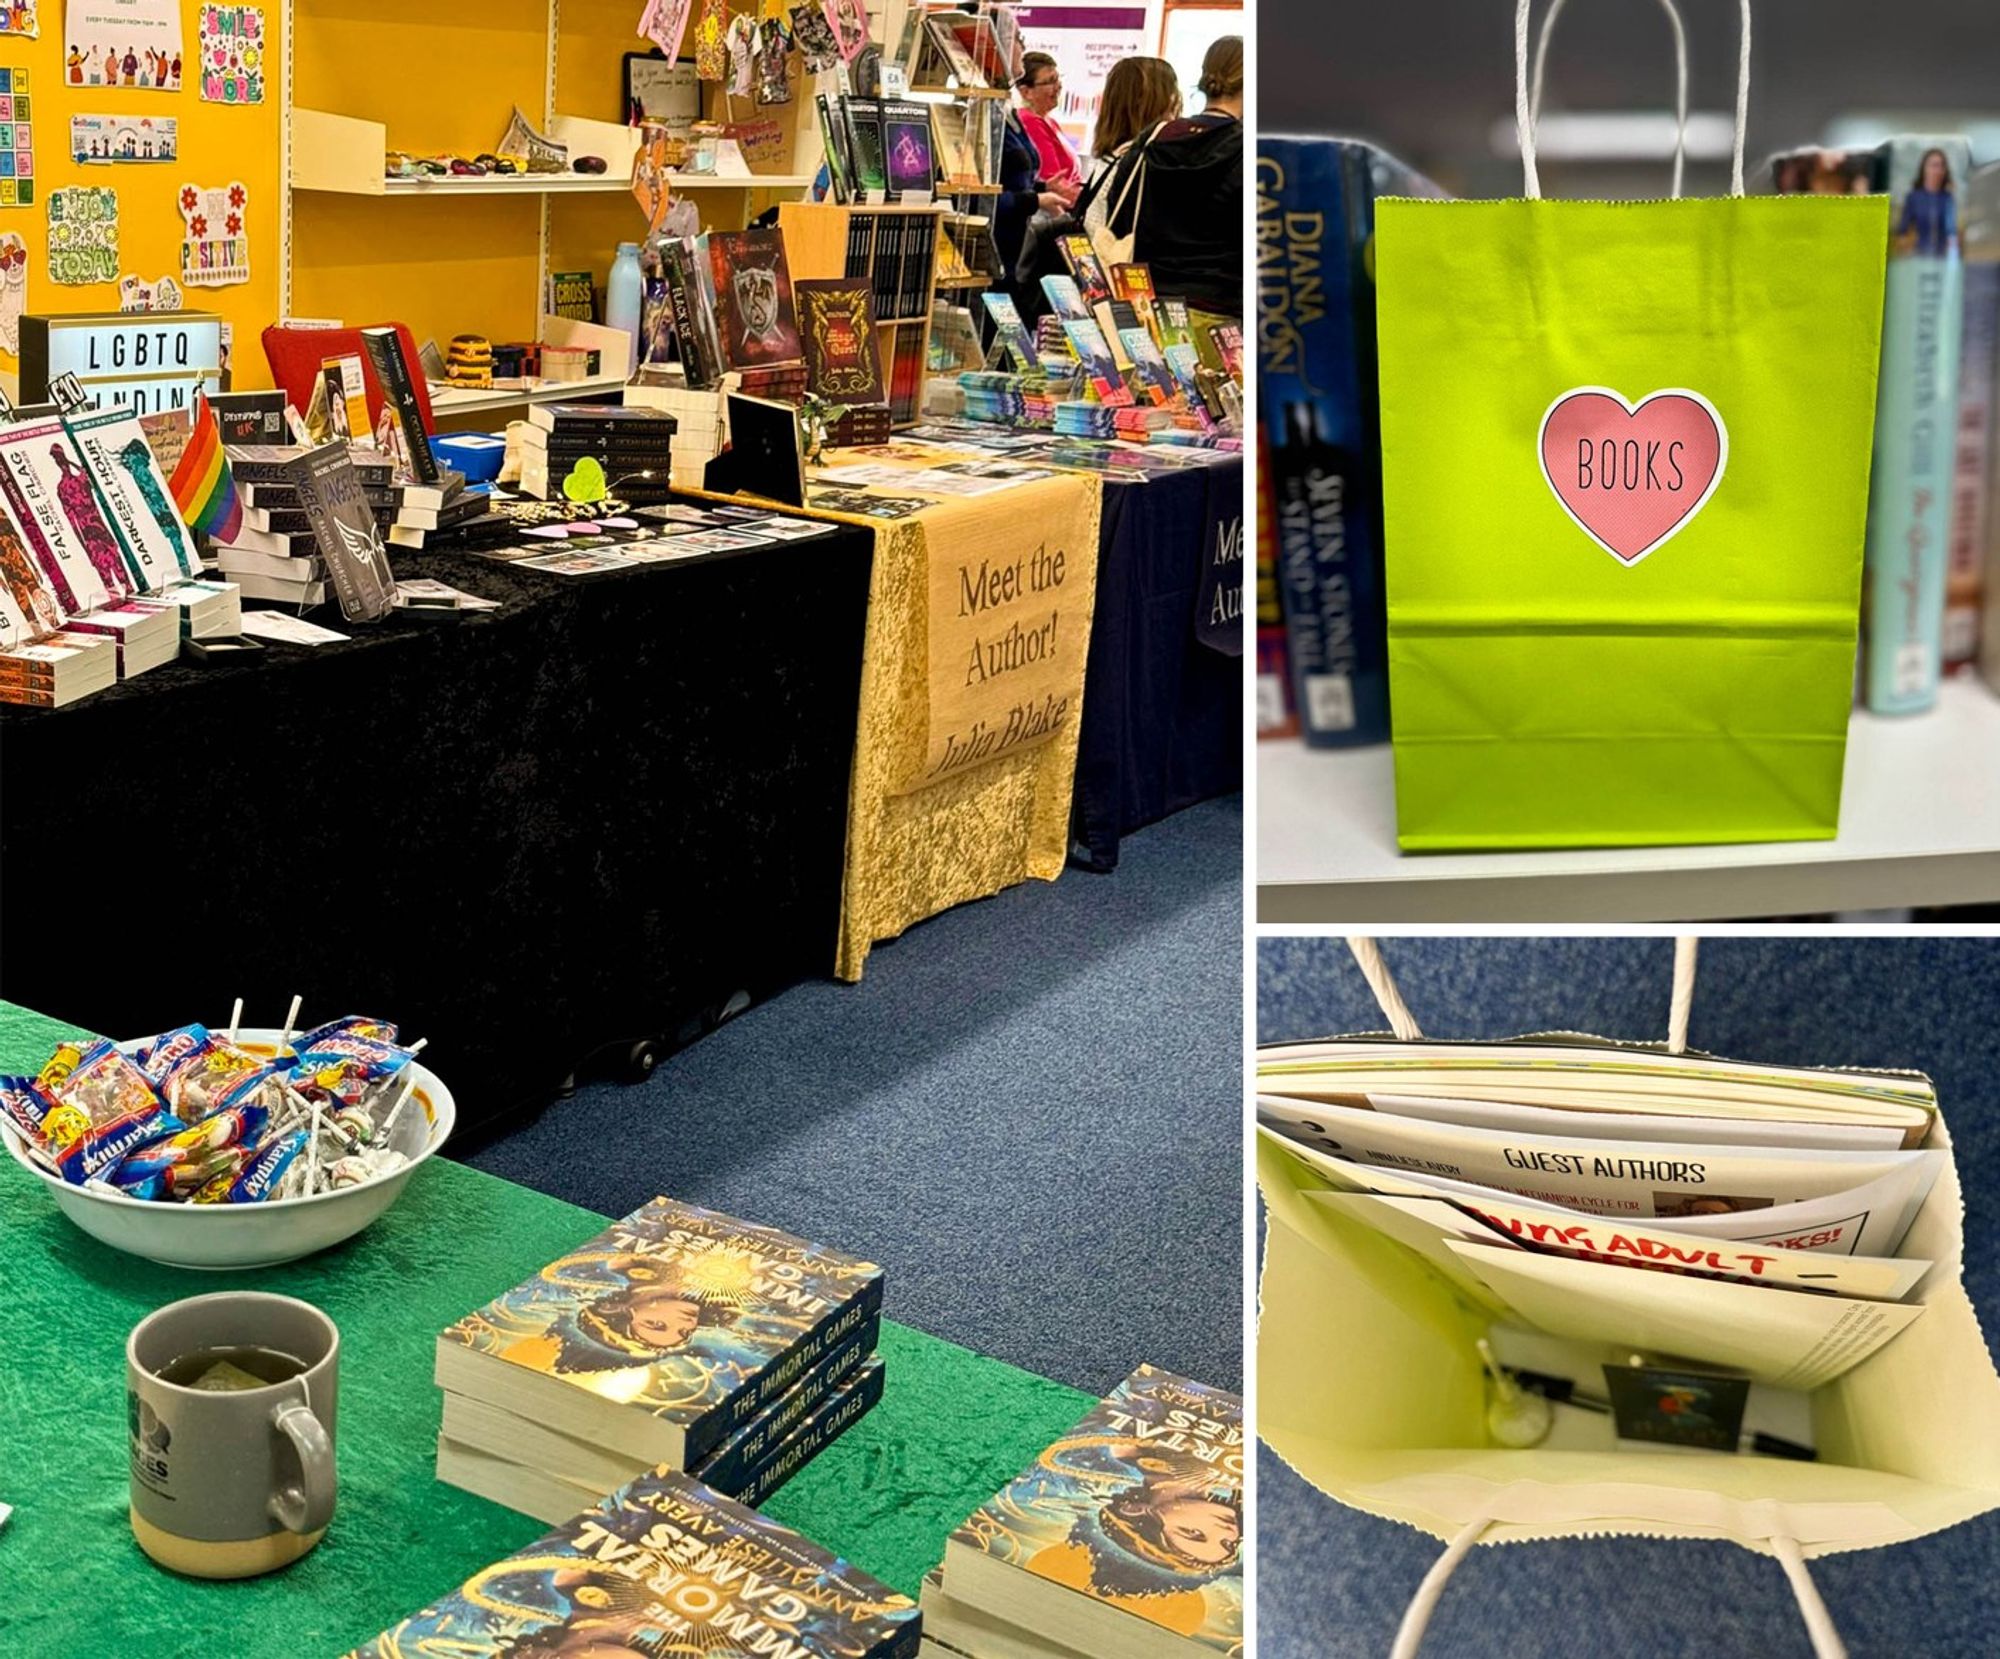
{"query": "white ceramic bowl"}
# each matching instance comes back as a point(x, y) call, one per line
point(224, 1236)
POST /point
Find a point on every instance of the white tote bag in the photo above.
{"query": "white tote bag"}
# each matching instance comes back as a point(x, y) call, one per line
point(1371, 1387)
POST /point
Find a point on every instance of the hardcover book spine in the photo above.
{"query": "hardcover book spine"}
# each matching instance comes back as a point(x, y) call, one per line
point(1916, 403)
point(860, 227)
point(733, 1464)
point(764, 1387)
point(824, 1426)
point(385, 351)
point(674, 258)
point(1277, 716)
point(1316, 313)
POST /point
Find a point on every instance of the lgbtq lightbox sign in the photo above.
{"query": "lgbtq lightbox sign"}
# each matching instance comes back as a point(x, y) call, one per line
point(150, 360)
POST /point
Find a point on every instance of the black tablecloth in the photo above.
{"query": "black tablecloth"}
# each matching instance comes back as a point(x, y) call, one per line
point(591, 816)
point(1162, 712)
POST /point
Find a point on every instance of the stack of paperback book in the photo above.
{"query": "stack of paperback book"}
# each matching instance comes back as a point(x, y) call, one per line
point(665, 1565)
point(630, 449)
point(676, 1339)
point(1123, 1540)
point(1679, 1248)
point(275, 554)
point(93, 557)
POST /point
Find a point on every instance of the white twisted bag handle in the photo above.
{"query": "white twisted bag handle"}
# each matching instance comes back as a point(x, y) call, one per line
point(1417, 1616)
point(1526, 108)
point(1680, 80)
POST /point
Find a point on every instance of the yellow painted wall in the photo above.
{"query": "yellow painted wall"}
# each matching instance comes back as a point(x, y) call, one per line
point(218, 143)
point(450, 84)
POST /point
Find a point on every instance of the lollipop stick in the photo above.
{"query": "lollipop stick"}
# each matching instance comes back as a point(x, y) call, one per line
point(396, 1111)
point(312, 1153)
point(285, 1037)
point(235, 1018)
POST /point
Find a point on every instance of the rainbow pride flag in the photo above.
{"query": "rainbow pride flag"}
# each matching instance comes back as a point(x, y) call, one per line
point(202, 486)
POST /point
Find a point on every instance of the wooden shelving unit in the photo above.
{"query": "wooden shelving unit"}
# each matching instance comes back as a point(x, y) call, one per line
point(823, 240)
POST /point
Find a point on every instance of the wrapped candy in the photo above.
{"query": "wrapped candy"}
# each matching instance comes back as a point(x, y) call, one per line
point(259, 1176)
point(24, 1101)
point(344, 1069)
point(193, 1147)
point(117, 1108)
point(354, 1025)
point(210, 1074)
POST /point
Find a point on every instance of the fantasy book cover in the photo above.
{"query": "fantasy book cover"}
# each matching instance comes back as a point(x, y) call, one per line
point(344, 526)
point(843, 356)
point(1085, 266)
point(30, 592)
point(681, 1313)
point(134, 495)
point(1140, 1505)
point(49, 493)
point(753, 298)
point(906, 144)
point(1011, 331)
point(662, 1568)
point(1093, 352)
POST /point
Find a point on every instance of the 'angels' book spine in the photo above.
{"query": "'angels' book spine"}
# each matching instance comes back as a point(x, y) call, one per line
point(349, 540)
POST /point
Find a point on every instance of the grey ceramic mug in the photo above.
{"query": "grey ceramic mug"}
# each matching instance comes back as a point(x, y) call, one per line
point(230, 1484)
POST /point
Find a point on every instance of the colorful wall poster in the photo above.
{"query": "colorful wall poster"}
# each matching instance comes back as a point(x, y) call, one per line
point(83, 234)
point(13, 289)
point(131, 43)
point(109, 138)
point(216, 252)
point(20, 17)
point(232, 54)
point(17, 146)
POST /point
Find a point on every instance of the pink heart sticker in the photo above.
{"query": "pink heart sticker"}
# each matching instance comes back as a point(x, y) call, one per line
point(1632, 474)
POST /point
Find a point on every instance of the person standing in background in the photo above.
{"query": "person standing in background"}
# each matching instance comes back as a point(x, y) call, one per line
point(1139, 95)
point(1023, 190)
point(1041, 90)
point(1186, 215)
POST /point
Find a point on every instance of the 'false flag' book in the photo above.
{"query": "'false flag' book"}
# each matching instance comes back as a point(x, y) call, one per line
point(664, 1566)
point(663, 1335)
point(1125, 1536)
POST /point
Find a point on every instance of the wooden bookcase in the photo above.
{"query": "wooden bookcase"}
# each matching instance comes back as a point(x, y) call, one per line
point(824, 241)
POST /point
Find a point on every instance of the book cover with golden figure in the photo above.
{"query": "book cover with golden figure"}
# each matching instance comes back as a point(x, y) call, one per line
point(843, 357)
point(662, 1567)
point(663, 1334)
point(1138, 1509)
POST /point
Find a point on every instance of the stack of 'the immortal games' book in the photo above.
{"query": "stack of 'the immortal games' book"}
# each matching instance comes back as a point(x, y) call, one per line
point(1123, 1540)
point(677, 1339)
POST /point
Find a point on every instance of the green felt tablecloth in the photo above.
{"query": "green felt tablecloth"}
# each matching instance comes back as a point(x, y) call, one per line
point(952, 1427)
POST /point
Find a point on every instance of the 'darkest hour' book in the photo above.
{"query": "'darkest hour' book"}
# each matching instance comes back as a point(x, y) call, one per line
point(664, 1566)
point(664, 1334)
point(1136, 1513)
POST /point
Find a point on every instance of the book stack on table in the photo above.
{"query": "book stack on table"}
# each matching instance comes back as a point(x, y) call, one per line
point(631, 446)
point(664, 1566)
point(276, 556)
point(677, 1339)
point(1123, 1540)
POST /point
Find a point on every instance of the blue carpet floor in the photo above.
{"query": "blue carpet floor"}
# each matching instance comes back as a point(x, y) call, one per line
point(1333, 1583)
point(1027, 1111)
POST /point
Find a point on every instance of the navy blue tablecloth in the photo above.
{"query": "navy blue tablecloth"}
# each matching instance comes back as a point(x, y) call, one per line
point(1162, 710)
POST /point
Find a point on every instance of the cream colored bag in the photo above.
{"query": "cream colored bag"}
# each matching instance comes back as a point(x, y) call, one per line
point(1370, 1386)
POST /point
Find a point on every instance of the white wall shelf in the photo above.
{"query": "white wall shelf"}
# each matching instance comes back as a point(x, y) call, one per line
point(1919, 825)
point(450, 401)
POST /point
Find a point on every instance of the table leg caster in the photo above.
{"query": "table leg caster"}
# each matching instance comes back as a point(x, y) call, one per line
point(642, 1058)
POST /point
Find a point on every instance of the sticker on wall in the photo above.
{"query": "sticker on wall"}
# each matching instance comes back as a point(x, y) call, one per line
point(850, 26)
point(108, 138)
point(232, 54)
point(774, 51)
point(216, 252)
point(20, 17)
point(17, 145)
point(815, 38)
point(664, 23)
point(742, 55)
point(711, 55)
point(135, 294)
point(83, 234)
point(13, 289)
point(1631, 476)
point(134, 43)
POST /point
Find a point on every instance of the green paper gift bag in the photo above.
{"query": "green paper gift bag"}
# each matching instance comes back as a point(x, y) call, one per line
point(1625, 453)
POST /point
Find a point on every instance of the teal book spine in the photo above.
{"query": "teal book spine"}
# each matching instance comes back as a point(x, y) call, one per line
point(1916, 414)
